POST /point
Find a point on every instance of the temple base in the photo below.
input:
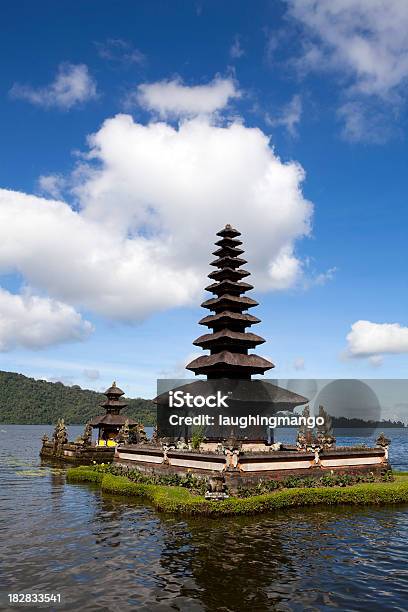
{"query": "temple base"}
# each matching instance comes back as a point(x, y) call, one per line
point(76, 453)
point(246, 468)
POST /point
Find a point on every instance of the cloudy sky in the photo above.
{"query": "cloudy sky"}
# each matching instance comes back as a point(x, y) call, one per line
point(131, 132)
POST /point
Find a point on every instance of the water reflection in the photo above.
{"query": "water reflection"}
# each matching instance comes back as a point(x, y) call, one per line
point(300, 559)
point(103, 552)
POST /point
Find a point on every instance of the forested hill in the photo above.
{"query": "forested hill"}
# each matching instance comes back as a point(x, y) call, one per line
point(25, 400)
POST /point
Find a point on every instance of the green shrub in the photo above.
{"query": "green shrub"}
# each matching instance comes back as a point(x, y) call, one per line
point(177, 499)
point(300, 482)
point(84, 474)
point(189, 481)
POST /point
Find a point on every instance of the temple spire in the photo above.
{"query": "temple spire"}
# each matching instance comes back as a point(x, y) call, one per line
point(113, 403)
point(229, 342)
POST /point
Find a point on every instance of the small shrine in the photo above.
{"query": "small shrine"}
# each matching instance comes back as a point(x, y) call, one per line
point(110, 423)
point(112, 428)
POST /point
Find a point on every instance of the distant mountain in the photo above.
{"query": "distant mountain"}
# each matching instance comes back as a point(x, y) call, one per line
point(28, 401)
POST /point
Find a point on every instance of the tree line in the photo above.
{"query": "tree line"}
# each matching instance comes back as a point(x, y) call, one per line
point(26, 401)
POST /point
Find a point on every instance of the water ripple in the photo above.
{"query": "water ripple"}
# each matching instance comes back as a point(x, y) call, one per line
point(105, 553)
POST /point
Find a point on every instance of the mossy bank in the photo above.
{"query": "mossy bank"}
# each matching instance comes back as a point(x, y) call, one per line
point(180, 500)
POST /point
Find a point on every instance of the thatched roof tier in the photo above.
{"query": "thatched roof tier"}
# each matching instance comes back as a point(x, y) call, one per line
point(116, 420)
point(263, 391)
point(228, 273)
point(228, 232)
point(229, 302)
point(228, 250)
point(228, 318)
point(114, 390)
point(229, 261)
point(233, 242)
point(228, 286)
point(112, 405)
point(226, 337)
point(229, 365)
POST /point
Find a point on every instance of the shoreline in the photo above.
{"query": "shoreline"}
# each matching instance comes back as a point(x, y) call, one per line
point(179, 500)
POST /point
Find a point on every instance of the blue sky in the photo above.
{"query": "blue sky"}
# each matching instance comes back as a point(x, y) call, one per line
point(327, 85)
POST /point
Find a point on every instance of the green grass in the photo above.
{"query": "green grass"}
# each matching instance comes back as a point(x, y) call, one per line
point(83, 473)
point(179, 500)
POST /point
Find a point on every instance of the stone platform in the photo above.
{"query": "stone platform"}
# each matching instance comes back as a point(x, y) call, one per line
point(244, 468)
point(76, 453)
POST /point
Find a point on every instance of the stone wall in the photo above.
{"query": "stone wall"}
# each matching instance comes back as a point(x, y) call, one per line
point(246, 469)
point(76, 453)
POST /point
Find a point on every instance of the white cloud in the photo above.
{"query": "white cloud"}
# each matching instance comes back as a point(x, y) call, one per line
point(91, 374)
point(289, 117)
point(52, 184)
point(299, 363)
point(72, 85)
point(364, 122)
point(149, 200)
point(119, 51)
point(372, 340)
point(174, 99)
point(318, 280)
point(236, 50)
point(34, 322)
point(366, 39)
point(285, 269)
point(376, 361)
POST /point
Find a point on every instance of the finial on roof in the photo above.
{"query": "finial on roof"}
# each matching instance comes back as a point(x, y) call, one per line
point(114, 383)
point(228, 226)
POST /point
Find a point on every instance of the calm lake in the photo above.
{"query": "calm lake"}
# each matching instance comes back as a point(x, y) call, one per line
point(109, 553)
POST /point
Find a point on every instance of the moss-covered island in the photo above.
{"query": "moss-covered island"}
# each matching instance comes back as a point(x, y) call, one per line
point(186, 497)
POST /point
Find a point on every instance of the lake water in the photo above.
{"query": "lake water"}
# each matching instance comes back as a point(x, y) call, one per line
point(108, 553)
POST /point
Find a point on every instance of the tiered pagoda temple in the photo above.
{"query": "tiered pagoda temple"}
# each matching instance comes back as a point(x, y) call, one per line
point(109, 424)
point(229, 366)
point(229, 342)
point(238, 456)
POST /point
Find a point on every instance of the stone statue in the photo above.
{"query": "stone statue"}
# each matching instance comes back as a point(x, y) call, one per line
point(303, 431)
point(155, 437)
point(60, 436)
point(325, 435)
point(123, 434)
point(384, 443)
point(137, 434)
point(216, 488)
point(141, 433)
point(382, 440)
point(85, 439)
point(87, 435)
point(232, 443)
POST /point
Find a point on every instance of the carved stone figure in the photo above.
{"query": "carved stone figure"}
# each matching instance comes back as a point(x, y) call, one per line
point(60, 436)
point(384, 443)
point(123, 434)
point(87, 435)
point(325, 435)
point(137, 434)
point(216, 488)
point(141, 433)
point(85, 439)
point(232, 457)
point(232, 443)
point(382, 440)
point(301, 438)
